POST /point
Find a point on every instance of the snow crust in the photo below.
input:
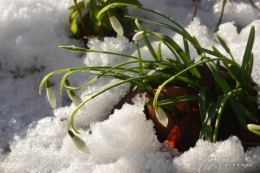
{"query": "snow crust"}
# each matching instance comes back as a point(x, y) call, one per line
point(34, 137)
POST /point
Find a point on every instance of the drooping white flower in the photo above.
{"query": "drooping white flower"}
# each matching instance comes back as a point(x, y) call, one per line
point(116, 25)
point(139, 35)
point(50, 95)
point(76, 100)
point(161, 116)
point(79, 143)
point(254, 129)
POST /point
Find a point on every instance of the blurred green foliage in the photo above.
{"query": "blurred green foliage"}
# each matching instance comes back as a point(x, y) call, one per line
point(84, 22)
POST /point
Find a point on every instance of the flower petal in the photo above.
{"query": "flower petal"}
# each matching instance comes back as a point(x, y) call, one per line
point(76, 100)
point(254, 129)
point(116, 25)
point(161, 116)
point(51, 96)
point(79, 143)
point(138, 36)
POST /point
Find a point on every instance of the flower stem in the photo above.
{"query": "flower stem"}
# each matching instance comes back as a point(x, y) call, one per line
point(81, 19)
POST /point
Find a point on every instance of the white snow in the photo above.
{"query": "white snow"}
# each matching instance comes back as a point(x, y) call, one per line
point(34, 137)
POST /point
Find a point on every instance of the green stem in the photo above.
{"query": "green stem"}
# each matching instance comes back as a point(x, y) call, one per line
point(80, 17)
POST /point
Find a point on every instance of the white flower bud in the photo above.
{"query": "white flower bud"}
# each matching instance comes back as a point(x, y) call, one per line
point(254, 129)
point(79, 143)
point(76, 100)
point(50, 95)
point(161, 116)
point(139, 35)
point(116, 25)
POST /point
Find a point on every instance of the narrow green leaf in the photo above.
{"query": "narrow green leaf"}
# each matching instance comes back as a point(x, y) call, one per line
point(186, 46)
point(246, 58)
point(224, 45)
point(220, 110)
point(249, 69)
point(219, 78)
point(141, 70)
point(114, 5)
point(202, 104)
point(175, 100)
point(211, 114)
point(246, 112)
point(82, 50)
point(251, 98)
point(159, 51)
point(134, 2)
point(238, 112)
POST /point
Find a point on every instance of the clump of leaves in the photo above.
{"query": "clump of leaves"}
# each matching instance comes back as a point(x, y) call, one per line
point(214, 87)
point(84, 21)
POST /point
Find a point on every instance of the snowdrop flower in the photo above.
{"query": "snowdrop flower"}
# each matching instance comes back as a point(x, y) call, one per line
point(254, 129)
point(76, 100)
point(50, 95)
point(161, 116)
point(139, 35)
point(116, 25)
point(79, 143)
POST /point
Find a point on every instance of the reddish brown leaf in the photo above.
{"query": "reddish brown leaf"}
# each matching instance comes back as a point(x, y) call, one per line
point(174, 137)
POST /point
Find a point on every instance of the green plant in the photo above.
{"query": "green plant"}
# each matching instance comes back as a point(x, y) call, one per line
point(84, 21)
point(216, 99)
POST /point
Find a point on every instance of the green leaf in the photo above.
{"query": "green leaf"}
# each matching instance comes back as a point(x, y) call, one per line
point(176, 100)
point(211, 114)
point(186, 46)
point(247, 113)
point(174, 45)
point(82, 50)
point(133, 2)
point(251, 98)
point(246, 64)
point(239, 114)
point(141, 70)
point(74, 27)
point(149, 46)
point(249, 70)
point(159, 51)
point(224, 45)
point(73, 16)
point(73, 7)
point(93, 10)
point(114, 5)
point(202, 104)
point(218, 76)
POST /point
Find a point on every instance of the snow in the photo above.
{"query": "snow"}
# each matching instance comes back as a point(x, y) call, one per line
point(34, 137)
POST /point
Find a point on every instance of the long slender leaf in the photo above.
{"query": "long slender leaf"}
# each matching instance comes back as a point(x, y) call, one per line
point(220, 110)
point(82, 50)
point(239, 114)
point(186, 47)
point(246, 58)
point(219, 78)
point(212, 112)
point(225, 46)
point(246, 112)
point(159, 51)
point(175, 100)
point(141, 70)
point(202, 104)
